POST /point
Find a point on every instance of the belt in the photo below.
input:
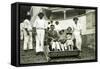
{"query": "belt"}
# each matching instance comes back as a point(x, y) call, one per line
point(40, 28)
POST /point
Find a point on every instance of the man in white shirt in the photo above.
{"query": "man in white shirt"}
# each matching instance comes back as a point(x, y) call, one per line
point(55, 23)
point(27, 31)
point(40, 25)
point(77, 33)
point(57, 26)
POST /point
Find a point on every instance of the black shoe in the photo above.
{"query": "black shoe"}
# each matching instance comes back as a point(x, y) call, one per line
point(25, 50)
point(37, 53)
point(58, 50)
point(53, 50)
point(41, 53)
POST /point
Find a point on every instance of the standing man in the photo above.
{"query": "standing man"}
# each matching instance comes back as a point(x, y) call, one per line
point(77, 33)
point(40, 25)
point(27, 31)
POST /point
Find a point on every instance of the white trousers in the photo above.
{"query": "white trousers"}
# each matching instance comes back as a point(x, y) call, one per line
point(78, 40)
point(27, 41)
point(55, 45)
point(40, 40)
point(63, 46)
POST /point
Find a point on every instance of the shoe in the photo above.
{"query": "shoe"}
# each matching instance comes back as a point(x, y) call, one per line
point(37, 53)
point(25, 50)
point(53, 50)
point(41, 53)
point(58, 49)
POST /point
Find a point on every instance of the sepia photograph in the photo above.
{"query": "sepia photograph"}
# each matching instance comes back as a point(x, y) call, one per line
point(57, 34)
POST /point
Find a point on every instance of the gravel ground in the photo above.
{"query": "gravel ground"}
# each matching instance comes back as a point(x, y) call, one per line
point(30, 56)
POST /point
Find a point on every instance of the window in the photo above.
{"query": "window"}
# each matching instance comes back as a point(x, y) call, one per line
point(60, 15)
point(90, 20)
point(75, 12)
point(57, 15)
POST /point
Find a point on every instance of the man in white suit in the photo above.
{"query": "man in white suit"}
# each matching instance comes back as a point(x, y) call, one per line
point(27, 31)
point(40, 25)
point(77, 33)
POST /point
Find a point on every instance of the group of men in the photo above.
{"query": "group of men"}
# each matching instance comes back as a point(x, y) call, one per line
point(60, 41)
point(40, 26)
point(66, 39)
point(26, 29)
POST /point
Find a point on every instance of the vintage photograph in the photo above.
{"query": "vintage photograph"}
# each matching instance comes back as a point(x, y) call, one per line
point(56, 34)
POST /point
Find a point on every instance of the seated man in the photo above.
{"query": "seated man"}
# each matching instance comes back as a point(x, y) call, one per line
point(62, 40)
point(53, 39)
point(70, 38)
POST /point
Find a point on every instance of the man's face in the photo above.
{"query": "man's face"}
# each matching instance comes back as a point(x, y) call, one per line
point(57, 22)
point(75, 21)
point(52, 27)
point(62, 32)
point(41, 16)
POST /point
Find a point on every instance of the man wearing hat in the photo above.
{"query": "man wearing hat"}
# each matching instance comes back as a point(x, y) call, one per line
point(27, 33)
point(40, 25)
point(77, 33)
